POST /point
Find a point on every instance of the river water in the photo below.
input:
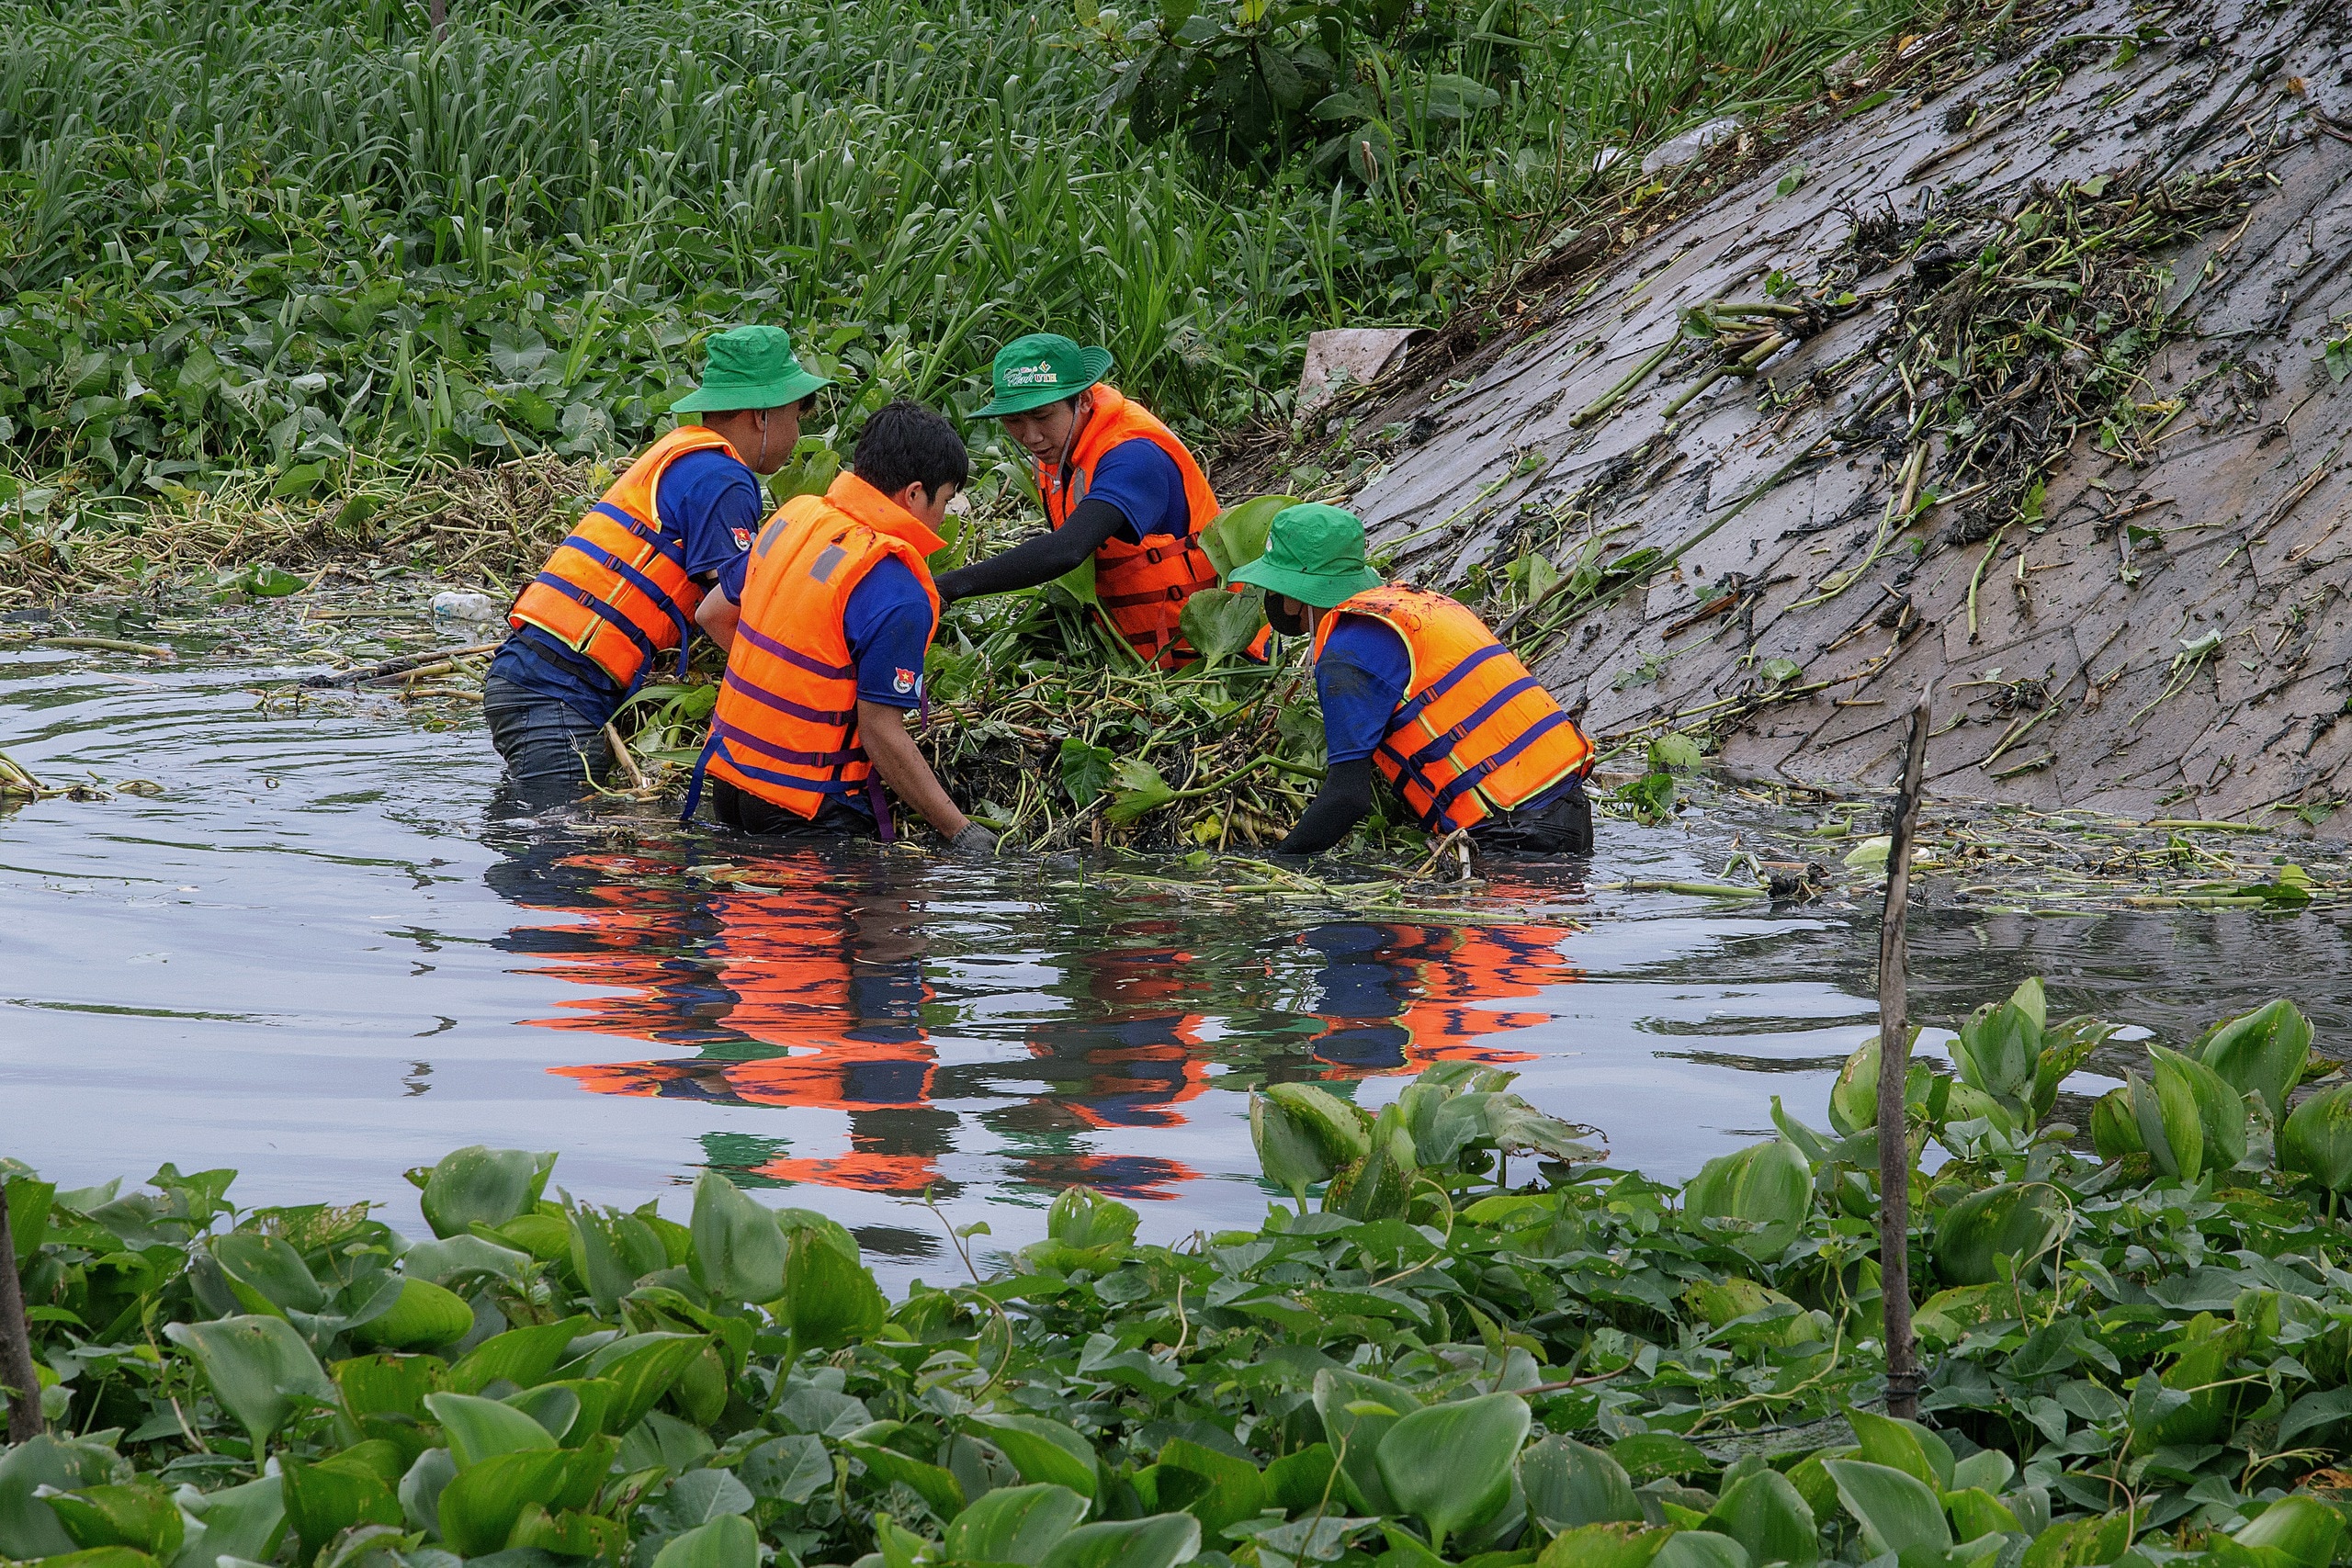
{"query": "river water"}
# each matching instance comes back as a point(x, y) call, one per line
point(328, 951)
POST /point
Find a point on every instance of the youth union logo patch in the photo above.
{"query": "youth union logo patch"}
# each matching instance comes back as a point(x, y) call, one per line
point(905, 682)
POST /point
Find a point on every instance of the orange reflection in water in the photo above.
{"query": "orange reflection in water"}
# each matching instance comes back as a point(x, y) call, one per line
point(814, 999)
point(1396, 998)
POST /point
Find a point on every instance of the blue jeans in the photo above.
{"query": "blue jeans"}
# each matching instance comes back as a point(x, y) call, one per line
point(552, 750)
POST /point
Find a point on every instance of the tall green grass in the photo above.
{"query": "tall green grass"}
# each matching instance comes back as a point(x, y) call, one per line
point(308, 234)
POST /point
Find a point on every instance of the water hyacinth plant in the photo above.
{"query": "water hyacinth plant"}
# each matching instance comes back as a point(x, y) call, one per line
point(1434, 1363)
point(301, 239)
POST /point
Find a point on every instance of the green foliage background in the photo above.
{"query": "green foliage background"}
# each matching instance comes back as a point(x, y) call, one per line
point(308, 238)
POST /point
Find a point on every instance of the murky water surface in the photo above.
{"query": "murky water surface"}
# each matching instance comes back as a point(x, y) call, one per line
point(327, 950)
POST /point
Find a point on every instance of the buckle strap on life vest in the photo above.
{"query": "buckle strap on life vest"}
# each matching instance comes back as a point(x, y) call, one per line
point(835, 760)
point(605, 613)
point(635, 525)
point(695, 779)
point(766, 698)
point(793, 656)
point(716, 746)
point(1444, 683)
point(1442, 804)
point(1155, 596)
point(637, 580)
point(1445, 743)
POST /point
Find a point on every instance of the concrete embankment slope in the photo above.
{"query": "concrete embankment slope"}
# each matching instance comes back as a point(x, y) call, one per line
point(2037, 404)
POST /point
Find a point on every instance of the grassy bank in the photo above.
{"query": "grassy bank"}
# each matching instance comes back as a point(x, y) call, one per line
point(1477, 1345)
point(288, 250)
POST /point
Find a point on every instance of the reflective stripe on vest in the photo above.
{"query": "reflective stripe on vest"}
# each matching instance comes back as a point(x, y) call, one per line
point(1141, 587)
point(786, 725)
point(616, 590)
point(1476, 733)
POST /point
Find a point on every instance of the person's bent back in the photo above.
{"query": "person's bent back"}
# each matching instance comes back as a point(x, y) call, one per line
point(837, 614)
point(1413, 684)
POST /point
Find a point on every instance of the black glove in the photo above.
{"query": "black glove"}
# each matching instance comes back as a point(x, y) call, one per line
point(974, 840)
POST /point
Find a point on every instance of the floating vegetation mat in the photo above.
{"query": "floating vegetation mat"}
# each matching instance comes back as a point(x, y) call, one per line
point(1457, 1336)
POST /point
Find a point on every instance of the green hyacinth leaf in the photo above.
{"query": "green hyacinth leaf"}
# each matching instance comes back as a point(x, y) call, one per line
point(1357, 1412)
point(1237, 534)
point(641, 1367)
point(1451, 1464)
point(1568, 1485)
point(1288, 1152)
point(1162, 1540)
point(2170, 1128)
point(1755, 1200)
point(2263, 1052)
point(1042, 1451)
point(140, 1515)
point(426, 1317)
point(1612, 1545)
point(1898, 1513)
point(1770, 1517)
point(262, 1370)
point(2316, 1142)
point(1853, 1098)
point(2309, 1531)
point(246, 1521)
point(324, 1500)
point(482, 1186)
point(1014, 1524)
point(728, 1542)
point(2014, 1221)
point(479, 1509)
point(738, 1247)
point(2114, 1131)
point(483, 1428)
point(2220, 1109)
point(829, 1299)
point(519, 1355)
point(1219, 626)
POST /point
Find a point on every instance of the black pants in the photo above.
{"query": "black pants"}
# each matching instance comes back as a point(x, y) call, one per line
point(552, 750)
point(1563, 828)
point(747, 813)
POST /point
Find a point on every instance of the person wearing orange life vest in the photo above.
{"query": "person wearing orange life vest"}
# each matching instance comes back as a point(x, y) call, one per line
point(617, 600)
point(1413, 684)
point(837, 612)
point(1117, 485)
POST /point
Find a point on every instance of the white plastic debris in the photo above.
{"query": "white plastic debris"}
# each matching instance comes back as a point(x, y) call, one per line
point(1348, 356)
point(456, 605)
point(1687, 147)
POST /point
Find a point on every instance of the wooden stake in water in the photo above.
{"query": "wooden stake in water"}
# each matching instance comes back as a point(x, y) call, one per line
point(1894, 1066)
point(16, 1341)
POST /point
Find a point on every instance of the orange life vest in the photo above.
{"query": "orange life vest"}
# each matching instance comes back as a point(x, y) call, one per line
point(616, 590)
point(1474, 733)
point(786, 725)
point(1141, 587)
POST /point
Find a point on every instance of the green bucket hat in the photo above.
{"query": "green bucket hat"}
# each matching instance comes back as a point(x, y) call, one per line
point(750, 367)
point(1315, 554)
point(1044, 367)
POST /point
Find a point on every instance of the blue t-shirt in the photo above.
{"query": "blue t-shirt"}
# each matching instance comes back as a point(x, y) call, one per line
point(1361, 677)
point(888, 622)
point(707, 502)
point(1147, 487)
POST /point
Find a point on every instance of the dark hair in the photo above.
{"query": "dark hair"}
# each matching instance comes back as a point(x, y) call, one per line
point(906, 443)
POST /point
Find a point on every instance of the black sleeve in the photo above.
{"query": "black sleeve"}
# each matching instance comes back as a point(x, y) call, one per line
point(1035, 560)
point(1343, 801)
